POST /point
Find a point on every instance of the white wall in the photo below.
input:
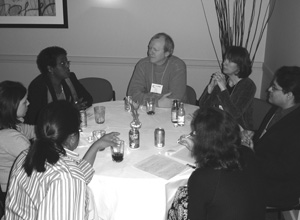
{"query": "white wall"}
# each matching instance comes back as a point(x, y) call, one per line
point(106, 40)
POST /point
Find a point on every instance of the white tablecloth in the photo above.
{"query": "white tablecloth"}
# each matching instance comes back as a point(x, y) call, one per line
point(121, 190)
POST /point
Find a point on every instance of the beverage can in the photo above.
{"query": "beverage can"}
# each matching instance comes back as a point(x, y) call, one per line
point(134, 138)
point(83, 117)
point(159, 137)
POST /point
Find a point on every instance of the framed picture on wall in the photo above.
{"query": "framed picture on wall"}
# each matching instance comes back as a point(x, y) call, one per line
point(33, 14)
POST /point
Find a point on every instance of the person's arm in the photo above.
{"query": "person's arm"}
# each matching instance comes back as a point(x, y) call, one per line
point(105, 141)
point(238, 102)
point(37, 97)
point(283, 166)
point(209, 99)
point(18, 143)
point(27, 130)
point(138, 84)
point(83, 95)
point(201, 189)
point(178, 78)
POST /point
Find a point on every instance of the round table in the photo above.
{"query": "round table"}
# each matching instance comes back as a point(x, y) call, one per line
point(123, 190)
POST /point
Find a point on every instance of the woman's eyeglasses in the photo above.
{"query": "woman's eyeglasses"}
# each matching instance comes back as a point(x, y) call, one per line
point(65, 63)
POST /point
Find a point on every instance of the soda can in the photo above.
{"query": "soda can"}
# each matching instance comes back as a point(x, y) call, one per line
point(83, 119)
point(134, 138)
point(159, 137)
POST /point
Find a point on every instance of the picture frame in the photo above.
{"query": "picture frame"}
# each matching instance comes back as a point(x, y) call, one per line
point(33, 14)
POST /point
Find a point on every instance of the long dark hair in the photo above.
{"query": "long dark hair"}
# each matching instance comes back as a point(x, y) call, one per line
point(11, 93)
point(56, 122)
point(216, 138)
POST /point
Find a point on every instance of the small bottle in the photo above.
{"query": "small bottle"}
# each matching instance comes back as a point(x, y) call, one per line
point(83, 117)
point(134, 138)
point(174, 111)
point(181, 114)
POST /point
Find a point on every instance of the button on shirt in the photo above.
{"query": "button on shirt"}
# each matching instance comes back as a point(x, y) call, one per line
point(59, 193)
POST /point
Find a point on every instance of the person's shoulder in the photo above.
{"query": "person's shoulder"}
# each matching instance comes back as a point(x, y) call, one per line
point(143, 61)
point(72, 75)
point(248, 81)
point(13, 137)
point(38, 82)
point(176, 60)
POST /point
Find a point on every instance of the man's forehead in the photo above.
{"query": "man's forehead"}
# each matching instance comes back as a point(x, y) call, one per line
point(157, 43)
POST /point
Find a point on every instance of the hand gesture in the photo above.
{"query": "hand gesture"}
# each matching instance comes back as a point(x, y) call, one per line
point(246, 138)
point(212, 84)
point(220, 80)
point(164, 101)
point(110, 139)
point(186, 141)
point(80, 104)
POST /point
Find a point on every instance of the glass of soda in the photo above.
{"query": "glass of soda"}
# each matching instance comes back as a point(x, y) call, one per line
point(150, 105)
point(117, 153)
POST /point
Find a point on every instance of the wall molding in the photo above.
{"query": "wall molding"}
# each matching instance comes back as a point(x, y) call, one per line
point(112, 61)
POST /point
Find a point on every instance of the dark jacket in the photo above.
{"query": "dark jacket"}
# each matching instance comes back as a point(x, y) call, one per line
point(279, 153)
point(38, 93)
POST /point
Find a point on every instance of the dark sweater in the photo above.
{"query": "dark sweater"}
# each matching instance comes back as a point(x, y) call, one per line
point(219, 194)
point(239, 104)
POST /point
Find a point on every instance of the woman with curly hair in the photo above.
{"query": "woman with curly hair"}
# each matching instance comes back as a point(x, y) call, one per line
point(227, 183)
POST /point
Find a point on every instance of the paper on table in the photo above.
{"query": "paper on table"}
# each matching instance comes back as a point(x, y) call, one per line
point(161, 166)
point(184, 155)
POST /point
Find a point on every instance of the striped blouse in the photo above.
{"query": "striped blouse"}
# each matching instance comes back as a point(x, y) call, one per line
point(59, 193)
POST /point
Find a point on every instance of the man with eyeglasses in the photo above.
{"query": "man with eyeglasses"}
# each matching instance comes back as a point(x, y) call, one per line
point(55, 82)
point(277, 142)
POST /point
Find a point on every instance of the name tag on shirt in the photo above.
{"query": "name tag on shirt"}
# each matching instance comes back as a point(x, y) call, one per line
point(156, 88)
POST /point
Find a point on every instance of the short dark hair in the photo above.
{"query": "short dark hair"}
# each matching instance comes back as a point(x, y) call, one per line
point(217, 136)
point(11, 93)
point(56, 122)
point(241, 57)
point(47, 57)
point(169, 43)
point(288, 78)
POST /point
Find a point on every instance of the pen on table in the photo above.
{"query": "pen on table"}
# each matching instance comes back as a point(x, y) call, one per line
point(191, 166)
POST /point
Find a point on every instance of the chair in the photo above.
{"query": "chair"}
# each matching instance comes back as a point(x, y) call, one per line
point(2, 200)
point(100, 89)
point(279, 210)
point(260, 109)
point(191, 95)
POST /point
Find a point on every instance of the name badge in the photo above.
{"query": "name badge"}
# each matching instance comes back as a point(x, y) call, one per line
point(156, 88)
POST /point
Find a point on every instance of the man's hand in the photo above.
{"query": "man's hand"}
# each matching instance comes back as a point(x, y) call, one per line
point(165, 102)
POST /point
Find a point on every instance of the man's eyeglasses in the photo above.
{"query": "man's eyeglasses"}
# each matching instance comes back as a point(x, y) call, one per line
point(275, 88)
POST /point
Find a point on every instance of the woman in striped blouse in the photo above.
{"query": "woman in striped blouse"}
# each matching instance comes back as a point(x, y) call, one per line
point(49, 181)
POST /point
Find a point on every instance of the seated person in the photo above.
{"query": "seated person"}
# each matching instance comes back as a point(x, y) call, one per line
point(49, 181)
point(55, 82)
point(227, 183)
point(14, 134)
point(232, 90)
point(277, 142)
point(161, 75)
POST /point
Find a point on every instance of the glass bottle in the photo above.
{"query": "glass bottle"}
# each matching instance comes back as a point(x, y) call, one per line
point(174, 110)
point(181, 114)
